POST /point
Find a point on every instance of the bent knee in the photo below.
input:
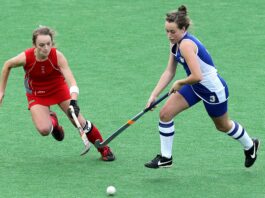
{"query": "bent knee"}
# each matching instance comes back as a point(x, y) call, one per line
point(223, 129)
point(165, 116)
point(44, 131)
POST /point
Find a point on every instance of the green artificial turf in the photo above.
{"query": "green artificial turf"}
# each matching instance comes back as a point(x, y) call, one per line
point(117, 51)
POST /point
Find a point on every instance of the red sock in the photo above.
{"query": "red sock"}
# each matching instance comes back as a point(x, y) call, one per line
point(54, 119)
point(54, 122)
point(93, 135)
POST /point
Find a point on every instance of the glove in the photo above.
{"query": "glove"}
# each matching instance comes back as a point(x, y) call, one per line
point(76, 108)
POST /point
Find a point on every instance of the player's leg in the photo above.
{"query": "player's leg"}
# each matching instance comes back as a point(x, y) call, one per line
point(220, 117)
point(46, 122)
point(176, 103)
point(91, 131)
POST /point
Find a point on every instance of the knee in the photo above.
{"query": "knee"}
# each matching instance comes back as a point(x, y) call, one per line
point(222, 128)
point(165, 116)
point(44, 130)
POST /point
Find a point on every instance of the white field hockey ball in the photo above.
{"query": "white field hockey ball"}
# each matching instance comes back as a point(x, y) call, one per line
point(111, 190)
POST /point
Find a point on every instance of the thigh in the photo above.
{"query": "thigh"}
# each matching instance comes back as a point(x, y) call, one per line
point(178, 102)
point(222, 123)
point(64, 106)
point(216, 110)
point(41, 116)
point(189, 95)
point(219, 115)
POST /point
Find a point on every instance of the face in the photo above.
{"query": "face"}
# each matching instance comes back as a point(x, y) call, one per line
point(174, 34)
point(43, 46)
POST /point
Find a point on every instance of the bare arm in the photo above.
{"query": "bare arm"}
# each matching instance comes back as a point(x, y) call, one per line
point(188, 51)
point(165, 79)
point(67, 73)
point(16, 61)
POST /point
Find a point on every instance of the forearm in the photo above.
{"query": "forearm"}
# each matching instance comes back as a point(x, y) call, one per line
point(74, 90)
point(4, 77)
point(68, 75)
point(164, 80)
point(190, 80)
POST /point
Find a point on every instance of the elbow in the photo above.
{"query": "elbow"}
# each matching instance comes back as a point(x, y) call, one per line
point(7, 66)
point(7, 63)
point(196, 78)
point(199, 78)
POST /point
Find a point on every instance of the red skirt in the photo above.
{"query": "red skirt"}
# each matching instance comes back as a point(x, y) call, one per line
point(57, 96)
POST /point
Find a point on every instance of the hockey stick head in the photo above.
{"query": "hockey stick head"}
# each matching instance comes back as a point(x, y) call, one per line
point(87, 148)
point(80, 130)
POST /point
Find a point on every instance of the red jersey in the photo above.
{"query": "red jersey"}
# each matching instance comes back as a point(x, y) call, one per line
point(42, 77)
point(44, 82)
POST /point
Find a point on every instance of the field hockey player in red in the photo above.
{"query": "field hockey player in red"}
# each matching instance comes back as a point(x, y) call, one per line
point(49, 81)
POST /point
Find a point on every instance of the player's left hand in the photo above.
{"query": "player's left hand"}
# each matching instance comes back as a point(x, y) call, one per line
point(76, 108)
point(176, 86)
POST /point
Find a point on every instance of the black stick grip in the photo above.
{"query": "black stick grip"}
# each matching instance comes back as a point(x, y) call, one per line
point(157, 102)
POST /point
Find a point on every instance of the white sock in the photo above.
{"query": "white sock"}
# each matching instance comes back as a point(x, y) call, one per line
point(166, 130)
point(239, 133)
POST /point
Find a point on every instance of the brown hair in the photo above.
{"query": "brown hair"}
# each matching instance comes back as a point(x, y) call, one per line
point(42, 30)
point(180, 17)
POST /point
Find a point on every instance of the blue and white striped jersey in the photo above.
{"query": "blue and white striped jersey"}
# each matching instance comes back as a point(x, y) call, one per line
point(212, 88)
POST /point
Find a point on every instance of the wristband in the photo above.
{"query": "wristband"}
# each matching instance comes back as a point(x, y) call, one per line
point(74, 89)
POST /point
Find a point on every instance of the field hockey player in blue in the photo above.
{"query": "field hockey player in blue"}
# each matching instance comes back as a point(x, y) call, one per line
point(202, 83)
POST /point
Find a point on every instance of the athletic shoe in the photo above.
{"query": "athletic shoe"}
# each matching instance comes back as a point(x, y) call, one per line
point(251, 154)
point(107, 155)
point(57, 132)
point(159, 161)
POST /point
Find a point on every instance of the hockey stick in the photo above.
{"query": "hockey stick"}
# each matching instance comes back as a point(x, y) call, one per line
point(81, 132)
point(99, 144)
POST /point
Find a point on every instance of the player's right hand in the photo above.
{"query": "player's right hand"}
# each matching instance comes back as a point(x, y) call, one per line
point(76, 108)
point(151, 100)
